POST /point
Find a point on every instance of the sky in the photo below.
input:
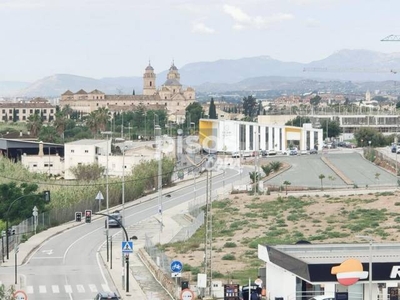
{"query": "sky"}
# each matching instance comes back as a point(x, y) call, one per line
point(98, 38)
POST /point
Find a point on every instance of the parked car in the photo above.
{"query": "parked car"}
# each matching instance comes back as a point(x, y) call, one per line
point(303, 152)
point(235, 154)
point(293, 152)
point(313, 151)
point(112, 222)
point(106, 295)
point(394, 149)
point(264, 153)
point(272, 152)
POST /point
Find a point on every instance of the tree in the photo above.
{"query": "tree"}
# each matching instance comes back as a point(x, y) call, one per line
point(366, 134)
point(315, 100)
point(286, 183)
point(330, 128)
point(34, 123)
point(60, 122)
point(298, 121)
point(321, 177)
point(88, 172)
point(194, 111)
point(332, 179)
point(7, 294)
point(249, 104)
point(10, 192)
point(212, 111)
point(49, 134)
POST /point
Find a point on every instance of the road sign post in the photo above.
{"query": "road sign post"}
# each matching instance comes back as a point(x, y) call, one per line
point(20, 295)
point(176, 268)
point(99, 197)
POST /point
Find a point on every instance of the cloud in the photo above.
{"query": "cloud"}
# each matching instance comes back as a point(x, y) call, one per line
point(199, 27)
point(310, 22)
point(244, 20)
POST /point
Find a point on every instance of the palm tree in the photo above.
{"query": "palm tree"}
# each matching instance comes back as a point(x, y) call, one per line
point(91, 122)
point(102, 117)
point(60, 122)
point(286, 183)
point(34, 123)
point(67, 111)
point(321, 176)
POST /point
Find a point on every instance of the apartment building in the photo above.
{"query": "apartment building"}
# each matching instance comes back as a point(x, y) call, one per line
point(20, 111)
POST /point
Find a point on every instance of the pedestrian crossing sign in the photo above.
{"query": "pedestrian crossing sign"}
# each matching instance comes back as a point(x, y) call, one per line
point(127, 247)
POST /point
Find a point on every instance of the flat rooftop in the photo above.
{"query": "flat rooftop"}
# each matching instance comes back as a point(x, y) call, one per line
point(336, 253)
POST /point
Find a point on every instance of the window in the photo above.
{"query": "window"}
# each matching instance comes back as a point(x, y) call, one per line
point(151, 83)
point(24, 111)
point(17, 111)
point(10, 111)
point(34, 165)
point(72, 151)
point(46, 165)
point(86, 151)
point(165, 97)
point(97, 104)
point(23, 118)
point(177, 104)
point(45, 111)
point(165, 103)
point(31, 111)
point(51, 111)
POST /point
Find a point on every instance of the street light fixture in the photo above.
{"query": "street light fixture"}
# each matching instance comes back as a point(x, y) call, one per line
point(107, 133)
point(370, 240)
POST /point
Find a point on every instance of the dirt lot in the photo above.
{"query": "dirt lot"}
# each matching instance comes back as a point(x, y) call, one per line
point(241, 222)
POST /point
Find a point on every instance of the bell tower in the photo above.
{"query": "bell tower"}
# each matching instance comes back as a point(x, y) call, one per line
point(149, 81)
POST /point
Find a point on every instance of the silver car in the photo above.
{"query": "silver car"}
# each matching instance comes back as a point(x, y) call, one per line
point(112, 222)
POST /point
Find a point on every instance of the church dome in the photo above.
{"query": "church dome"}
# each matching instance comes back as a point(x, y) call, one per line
point(149, 68)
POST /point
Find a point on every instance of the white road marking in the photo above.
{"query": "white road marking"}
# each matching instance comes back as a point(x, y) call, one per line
point(42, 289)
point(46, 257)
point(68, 289)
point(29, 289)
point(80, 288)
point(55, 289)
point(48, 252)
point(93, 288)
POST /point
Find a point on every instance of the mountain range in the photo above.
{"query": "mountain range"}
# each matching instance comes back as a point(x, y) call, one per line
point(245, 74)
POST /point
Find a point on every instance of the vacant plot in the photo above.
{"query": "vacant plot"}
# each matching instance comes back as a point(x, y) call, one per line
point(241, 222)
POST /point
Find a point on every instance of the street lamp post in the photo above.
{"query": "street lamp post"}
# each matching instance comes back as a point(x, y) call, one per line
point(107, 133)
point(370, 240)
point(127, 239)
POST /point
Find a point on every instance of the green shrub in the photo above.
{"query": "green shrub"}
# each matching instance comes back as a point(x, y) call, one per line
point(230, 245)
point(228, 257)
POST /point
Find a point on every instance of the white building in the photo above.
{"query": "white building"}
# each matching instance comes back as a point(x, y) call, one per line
point(232, 136)
point(297, 272)
point(50, 164)
point(95, 151)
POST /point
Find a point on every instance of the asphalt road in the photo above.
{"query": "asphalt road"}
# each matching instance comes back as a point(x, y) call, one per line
point(68, 266)
point(306, 169)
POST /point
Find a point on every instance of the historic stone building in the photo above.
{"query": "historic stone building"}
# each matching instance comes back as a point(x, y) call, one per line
point(171, 96)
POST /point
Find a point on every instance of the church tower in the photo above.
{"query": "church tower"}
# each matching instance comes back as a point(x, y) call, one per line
point(149, 81)
point(173, 73)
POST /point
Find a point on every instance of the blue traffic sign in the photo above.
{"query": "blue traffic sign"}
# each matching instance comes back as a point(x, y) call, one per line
point(176, 266)
point(127, 247)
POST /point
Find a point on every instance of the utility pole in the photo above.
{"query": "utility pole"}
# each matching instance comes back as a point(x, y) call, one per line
point(208, 237)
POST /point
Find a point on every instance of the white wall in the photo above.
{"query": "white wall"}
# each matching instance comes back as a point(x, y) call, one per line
point(48, 164)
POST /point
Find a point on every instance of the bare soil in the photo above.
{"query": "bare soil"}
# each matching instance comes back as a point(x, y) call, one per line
point(242, 221)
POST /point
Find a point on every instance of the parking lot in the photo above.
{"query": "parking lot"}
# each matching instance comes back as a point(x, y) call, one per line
point(306, 169)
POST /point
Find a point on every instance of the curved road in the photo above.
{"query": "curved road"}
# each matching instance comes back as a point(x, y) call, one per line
point(68, 266)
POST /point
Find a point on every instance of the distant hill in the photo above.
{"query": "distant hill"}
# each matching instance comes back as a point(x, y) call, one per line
point(8, 88)
point(57, 84)
point(253, 73)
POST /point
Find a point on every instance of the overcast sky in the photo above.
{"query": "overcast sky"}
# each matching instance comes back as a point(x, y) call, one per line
point(99, 38)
